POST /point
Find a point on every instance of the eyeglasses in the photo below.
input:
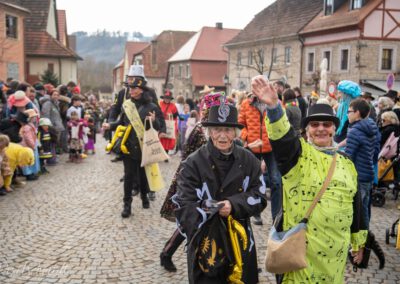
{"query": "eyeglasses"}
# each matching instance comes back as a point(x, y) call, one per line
point(350, 111)
point(325, 124)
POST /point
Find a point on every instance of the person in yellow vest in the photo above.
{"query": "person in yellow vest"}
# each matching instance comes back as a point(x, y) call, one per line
point(336, 221)
point(138, 106)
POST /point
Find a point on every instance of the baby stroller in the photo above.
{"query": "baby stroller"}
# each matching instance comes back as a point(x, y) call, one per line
point(389, 156)
point(378, 198)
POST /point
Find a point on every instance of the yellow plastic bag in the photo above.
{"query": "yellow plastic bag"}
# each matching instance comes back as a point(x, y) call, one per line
point(382, 166)
point(154, 177)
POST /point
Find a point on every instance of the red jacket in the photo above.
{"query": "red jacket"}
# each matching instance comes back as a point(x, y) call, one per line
point(254, 126)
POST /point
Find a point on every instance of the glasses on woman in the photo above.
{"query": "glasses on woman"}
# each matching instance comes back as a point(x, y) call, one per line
point(325, 124)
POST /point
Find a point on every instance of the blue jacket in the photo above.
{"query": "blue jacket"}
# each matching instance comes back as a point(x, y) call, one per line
point(363, 147)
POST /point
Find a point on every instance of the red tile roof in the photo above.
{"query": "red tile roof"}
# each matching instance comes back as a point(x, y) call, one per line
point(341, 18)
point(133, 47)
point(37, 21)
point(207, 45)
point(210, 43)
point(43, 44)
point(281, 18)
point(208, 73)
point(62, 27)
point(164, 46)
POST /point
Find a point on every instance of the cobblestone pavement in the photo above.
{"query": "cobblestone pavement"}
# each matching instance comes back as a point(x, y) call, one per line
point(66, 228)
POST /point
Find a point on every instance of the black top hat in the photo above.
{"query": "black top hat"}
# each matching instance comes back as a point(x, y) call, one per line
point(167, 95)
point(368, 95)
point(320, 112)
point(223, 115)
point(391, 94)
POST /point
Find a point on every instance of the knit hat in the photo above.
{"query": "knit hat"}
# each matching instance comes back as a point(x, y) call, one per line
point(44, 121)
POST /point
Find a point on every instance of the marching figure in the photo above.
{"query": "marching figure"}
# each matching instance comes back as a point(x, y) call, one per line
point(336, 221)
point(220, 187)
point(133, 114)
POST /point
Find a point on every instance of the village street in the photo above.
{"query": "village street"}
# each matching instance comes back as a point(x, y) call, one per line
point(66, 227)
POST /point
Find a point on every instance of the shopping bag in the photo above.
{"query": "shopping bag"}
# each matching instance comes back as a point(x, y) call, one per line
point(383, 165)
point(152, 150)
point(154, 177)
point(170, 127)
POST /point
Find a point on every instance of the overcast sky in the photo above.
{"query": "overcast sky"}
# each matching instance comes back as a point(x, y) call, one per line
point(151, 17)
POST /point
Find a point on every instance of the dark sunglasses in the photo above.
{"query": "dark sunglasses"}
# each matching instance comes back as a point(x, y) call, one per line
point(325, 124)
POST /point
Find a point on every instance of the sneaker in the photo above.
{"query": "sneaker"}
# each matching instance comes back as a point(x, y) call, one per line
point(257, 220)
point(31, 177)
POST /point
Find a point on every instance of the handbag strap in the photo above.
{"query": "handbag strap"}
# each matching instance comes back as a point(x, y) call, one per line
point(323, 189)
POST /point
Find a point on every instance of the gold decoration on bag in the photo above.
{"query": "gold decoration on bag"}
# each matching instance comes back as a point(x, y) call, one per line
point(236, 230)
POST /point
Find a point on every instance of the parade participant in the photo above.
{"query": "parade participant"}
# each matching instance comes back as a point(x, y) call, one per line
point(133, 115)
point(337, 219)
point(255, 137)
point(170, 112)
point(348, 91)
point(195, 140)
point(227, 177)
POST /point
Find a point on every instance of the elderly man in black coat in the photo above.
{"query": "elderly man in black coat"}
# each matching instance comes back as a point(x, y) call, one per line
point(219, 184)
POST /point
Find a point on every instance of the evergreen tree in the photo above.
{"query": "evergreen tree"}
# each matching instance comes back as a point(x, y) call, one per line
point(49, 77)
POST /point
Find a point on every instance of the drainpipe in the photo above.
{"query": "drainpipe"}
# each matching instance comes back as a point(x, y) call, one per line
point(59, 71)
point(301, 61)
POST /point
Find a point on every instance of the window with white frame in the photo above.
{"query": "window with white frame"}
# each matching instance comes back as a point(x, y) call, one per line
point(344, 59)
point(180, 71)
point(274, 55)
point(387, 58)
point(239, 58)
point(187, 71)
point(250, 58)
point(311, 61)
point(11, 26)
point(356, 4)
point(288, 54)
point(171, 71)
point(328, 7)
point(328, 55)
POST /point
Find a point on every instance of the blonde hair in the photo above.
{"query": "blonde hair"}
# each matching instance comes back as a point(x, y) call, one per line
point(386, 102)
point(4, 141)
point(180, 99)
point(391, 116)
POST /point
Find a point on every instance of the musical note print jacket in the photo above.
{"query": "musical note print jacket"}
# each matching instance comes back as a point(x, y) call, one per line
point(336, 221)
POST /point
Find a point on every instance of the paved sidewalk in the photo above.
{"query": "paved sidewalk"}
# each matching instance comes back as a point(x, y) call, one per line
point(66, 228)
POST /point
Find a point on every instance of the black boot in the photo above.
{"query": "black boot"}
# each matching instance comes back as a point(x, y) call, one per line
point(166, 261)
point(169, 249)
point(145, 201)
point(126, 212)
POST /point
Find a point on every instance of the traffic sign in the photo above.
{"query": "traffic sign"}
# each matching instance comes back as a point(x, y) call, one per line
point(390, 81)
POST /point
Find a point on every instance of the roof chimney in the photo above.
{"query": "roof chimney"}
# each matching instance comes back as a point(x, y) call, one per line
point(218, 26)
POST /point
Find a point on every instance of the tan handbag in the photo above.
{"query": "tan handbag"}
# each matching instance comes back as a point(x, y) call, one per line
point(286, 250)
point(170, 127)
point(152, 150)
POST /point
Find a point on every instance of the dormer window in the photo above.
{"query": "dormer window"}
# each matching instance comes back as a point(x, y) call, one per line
point(356, 4)
point(328, 7)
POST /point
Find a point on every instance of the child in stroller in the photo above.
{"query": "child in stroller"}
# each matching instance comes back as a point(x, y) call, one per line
point(388, 177)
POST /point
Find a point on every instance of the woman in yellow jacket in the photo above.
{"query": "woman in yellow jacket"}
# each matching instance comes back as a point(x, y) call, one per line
point(336, 221)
